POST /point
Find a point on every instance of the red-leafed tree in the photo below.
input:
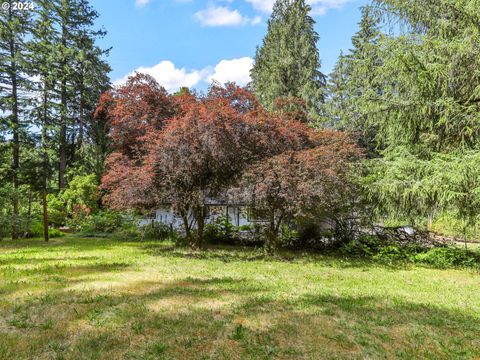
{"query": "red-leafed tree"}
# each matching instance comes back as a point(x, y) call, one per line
point(292, 182)
point(185, 150)
point(135, 112)
point(204, 150)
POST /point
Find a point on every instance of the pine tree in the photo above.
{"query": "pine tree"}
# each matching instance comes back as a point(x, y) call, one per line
point(354, 82)
point(427, 110)
point(14, 85)
point(42, 54)
point(336, 106)
point(288, 62)
point(81, 75)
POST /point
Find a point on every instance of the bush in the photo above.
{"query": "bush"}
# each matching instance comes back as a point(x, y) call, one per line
point(448, 257)
point(157, 231)
point(288, 236)
point(81, 193)
point(221, 231)
point(57, 210)
point(365, 245)
point(36, 230)
point(106, 221)
point(444, 257)
point(391, 253)
point(128, 234)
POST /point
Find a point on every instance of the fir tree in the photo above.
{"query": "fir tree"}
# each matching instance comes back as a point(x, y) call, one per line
point(288, 62)
point(14, 85)
point(354, 82)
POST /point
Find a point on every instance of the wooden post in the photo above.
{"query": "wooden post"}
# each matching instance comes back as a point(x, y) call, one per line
point(45, 216)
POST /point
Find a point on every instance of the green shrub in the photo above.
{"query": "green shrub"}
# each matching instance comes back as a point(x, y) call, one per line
point(448, 257)
point(53, 233)
point(36, 230)
point(221, 231)
point(391, 253)
point(81, 194)
point(128, 234)
point(106, 221)
point(57, 210)
point(288, 236)
point(157, 231)
point(365, 245)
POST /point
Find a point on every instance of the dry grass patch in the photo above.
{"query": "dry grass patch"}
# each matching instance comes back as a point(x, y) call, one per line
point(102, 299)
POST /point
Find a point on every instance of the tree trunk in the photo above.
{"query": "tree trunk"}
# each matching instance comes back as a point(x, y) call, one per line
point(45, 216)
point(430, 221)
point(29, 212)
point(46, 165)
point(81, 119)
point(15, 136)
point(271, 243)
point(62, 166)
point(272, 233)
point(200, 228)
point(186, 225)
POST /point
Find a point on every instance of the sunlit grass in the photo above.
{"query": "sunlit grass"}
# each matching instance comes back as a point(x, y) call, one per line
point(101, 299)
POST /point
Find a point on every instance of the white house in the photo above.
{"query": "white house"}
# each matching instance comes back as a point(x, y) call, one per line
point(238, 215)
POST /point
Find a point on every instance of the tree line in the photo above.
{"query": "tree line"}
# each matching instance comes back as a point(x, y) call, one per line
point(401, 106)
point(410, 88)
point(52, 73)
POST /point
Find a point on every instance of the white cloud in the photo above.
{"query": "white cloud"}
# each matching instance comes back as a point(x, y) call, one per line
point(219, 16)
point(236, 70)
point(223, 16)
point(262, 5)
point(256, 20)
point(167, 75)
point(141, 2)
point(172, 78)
point(319, 7)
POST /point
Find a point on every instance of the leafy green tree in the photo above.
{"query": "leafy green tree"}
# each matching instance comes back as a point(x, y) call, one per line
point(287, 64)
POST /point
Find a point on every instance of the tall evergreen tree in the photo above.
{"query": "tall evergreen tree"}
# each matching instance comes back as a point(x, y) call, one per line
point(78, 61)
point(427, 112)
point(14, 85)
point(431, 92)
point(43, 61)
point(288, 62)
point(354, 82)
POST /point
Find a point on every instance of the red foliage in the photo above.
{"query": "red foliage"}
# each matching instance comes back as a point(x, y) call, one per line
point(183, 150)
point(136, 113)
point(295, 180)
point(134, 110)
point(291, 108)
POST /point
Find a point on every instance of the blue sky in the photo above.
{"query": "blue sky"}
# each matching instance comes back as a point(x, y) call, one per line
point(191, 42)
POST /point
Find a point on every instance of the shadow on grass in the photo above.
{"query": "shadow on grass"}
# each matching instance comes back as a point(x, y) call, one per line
point(232, 253)
point(225, 254)
point(21, 260)
point(58, 276)
point(182, 319)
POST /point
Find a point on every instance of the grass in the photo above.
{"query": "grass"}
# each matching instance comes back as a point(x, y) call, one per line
point(102, 299)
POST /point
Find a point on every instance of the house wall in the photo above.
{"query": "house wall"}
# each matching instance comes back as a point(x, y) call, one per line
point(237, 216)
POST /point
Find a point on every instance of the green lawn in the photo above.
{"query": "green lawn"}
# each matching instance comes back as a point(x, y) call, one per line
point(102, 299)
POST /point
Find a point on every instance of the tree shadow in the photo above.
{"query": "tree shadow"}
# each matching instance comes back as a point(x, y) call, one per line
point(233, 253)
point(225, 254)
point(186, 319)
